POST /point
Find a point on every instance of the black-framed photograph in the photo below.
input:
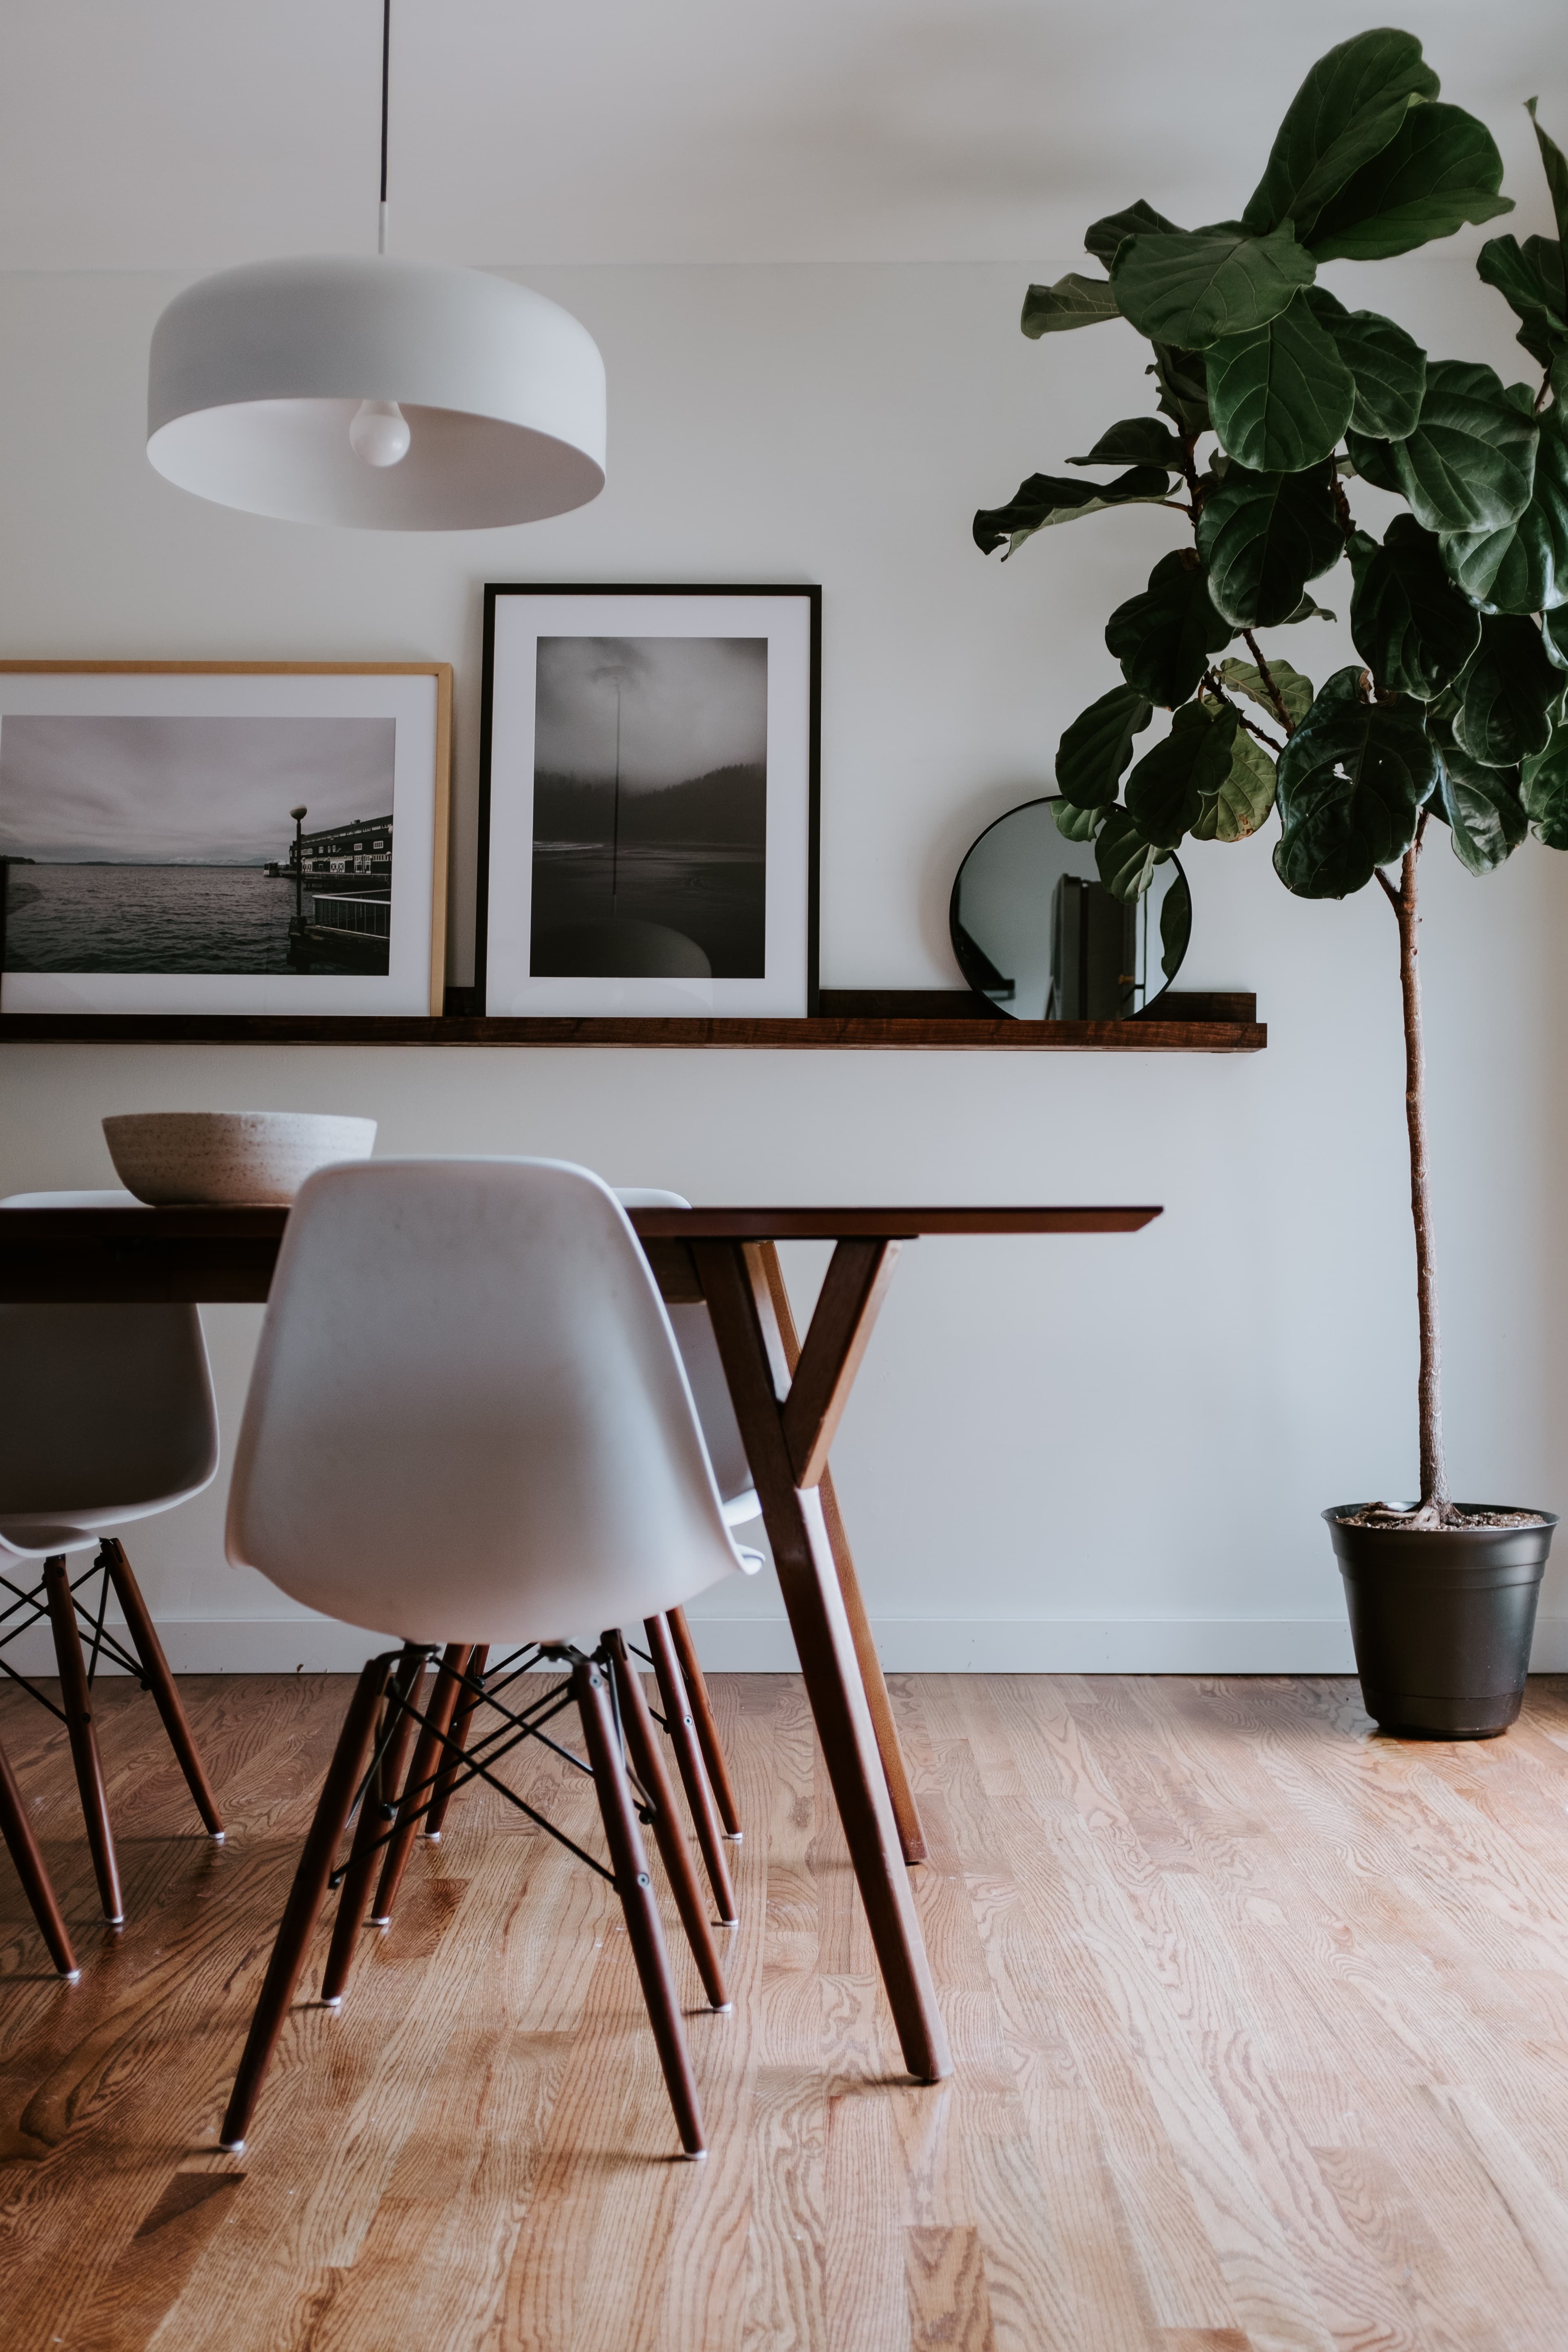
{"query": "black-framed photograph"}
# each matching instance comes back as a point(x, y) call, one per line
point(203, 837)
point(648, 802)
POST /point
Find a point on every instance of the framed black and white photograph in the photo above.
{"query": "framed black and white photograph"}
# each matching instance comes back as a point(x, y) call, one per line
point(204, 838)
point(648, 802)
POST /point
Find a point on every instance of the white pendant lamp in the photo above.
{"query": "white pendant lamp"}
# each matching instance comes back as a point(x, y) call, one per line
point(381, 394)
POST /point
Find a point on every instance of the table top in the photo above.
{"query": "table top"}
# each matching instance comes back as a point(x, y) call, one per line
point(134, 1254)
point(22, 1227)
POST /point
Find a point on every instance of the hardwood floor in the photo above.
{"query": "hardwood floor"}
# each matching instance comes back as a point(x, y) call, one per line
point(1260, 2027)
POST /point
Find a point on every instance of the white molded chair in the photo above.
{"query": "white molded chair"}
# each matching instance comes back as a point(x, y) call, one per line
point(468, 1423)
point(106, 1415)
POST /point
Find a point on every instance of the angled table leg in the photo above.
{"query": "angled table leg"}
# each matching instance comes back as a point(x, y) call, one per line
point(785, 1445)
point(906, 1812)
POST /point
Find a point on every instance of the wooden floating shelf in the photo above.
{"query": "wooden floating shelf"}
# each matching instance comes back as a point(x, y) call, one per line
point(850, 1020)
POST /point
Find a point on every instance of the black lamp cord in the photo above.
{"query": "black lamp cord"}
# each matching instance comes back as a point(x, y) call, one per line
point(385, 91)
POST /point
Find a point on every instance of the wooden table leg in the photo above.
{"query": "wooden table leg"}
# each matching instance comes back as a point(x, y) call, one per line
point(23, 1847)
point(906, 1812)
point(736, 1291)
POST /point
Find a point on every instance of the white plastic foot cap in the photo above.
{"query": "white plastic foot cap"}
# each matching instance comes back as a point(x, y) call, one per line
point(232, 2146)
point(69, 1976)
point(721, 2008)
point(694, 2154)
point(332, 2000)
point(218, 1836)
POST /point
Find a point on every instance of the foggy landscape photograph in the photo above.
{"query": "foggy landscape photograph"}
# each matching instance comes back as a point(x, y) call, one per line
point(650, 807)
point(163, 844)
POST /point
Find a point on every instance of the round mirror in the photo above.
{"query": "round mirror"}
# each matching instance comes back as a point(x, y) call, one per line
point(1036, 930)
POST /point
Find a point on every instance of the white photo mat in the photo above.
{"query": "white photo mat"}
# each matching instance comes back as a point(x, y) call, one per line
point(416, 697)
point(518, 618)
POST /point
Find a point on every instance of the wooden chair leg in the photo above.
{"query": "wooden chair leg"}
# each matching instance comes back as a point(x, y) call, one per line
point(77, 1701)
point(23, 1849)
point(305, 1898)
point(160, 1681)
point(635, 1887)
point(646, 1759)
point(376, 1814)
point(448, 1774)
point(417, 1789)
point(689, 1758)
point(706, 1722)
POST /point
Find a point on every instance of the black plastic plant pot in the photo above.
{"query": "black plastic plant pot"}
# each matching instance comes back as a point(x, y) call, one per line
point(1442, 1619)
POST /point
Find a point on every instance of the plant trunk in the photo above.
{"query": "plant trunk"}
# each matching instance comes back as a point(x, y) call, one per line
point(1429, 1405)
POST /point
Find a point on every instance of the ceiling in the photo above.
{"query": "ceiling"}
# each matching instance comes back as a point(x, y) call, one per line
point(181, 134)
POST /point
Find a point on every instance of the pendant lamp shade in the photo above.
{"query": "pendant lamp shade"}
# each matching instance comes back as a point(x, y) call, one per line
point(257, 375)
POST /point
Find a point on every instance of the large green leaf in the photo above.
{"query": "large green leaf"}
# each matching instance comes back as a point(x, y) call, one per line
point(1183, 386)
point(1555, 648)
point(1352, 783)
point(1280, 396)
point(1346, 111)
point(1072, 302)
point(1242, 797)
point(1163, 637)
point(1389, 366)
point(1126, 861)
point(1529, 278)
point(1545, 791)
point(1196, 285)
point(1294, 691)
point(1136, 441)
point(1440, 169)
point(1555, 165)
point(1048, 498)
point(1469, 464)
point(1373, 461)
point(1105, 238)
point(1481, 806)
point(1508, 694)
point(1098, 745)
point(1167, 788)
point(1263, 536)
point(1523, 567)
point(1176, 926)
point(1076, 824)
point(1410, 624)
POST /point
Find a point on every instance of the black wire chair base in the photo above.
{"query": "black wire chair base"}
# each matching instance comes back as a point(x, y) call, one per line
point(463, 1762)
point(103, 1642)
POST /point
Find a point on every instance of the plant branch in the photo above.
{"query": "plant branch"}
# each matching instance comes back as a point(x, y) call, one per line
point(1545, 388)
point(1267, 674)
point(1428, 1395)
point(1216, 685)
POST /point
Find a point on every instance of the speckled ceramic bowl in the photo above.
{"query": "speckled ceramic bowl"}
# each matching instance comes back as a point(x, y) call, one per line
point(229, 1159)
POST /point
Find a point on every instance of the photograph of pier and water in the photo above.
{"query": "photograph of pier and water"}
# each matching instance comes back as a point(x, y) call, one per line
point(650, 807)
point(163, 844)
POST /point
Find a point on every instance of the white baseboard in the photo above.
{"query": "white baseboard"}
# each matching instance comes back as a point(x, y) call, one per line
point(1041, 1645)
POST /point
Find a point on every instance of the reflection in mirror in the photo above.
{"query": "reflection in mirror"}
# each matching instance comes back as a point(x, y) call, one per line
point(1036, 931)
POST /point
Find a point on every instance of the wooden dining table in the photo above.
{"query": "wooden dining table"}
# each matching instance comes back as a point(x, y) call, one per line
point(789, 1395)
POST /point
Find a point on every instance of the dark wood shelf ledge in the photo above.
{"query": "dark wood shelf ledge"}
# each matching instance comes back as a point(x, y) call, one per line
point(852, 1019)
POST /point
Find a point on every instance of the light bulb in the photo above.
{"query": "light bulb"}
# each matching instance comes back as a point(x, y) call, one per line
point(379, 432)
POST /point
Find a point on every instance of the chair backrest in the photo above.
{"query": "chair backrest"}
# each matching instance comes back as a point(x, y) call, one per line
point(693, 1329)
point(469, 1419)
point(105, 1413)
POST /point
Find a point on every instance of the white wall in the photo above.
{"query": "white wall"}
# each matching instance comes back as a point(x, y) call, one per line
point(1076, 1453)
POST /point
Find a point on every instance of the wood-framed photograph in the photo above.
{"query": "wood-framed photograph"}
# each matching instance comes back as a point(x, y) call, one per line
point(648, 802)
point(256, 838)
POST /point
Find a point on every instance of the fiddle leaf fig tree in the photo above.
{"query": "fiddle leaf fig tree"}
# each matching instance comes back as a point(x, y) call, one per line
point(1273, 401)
